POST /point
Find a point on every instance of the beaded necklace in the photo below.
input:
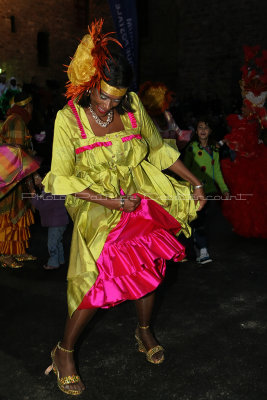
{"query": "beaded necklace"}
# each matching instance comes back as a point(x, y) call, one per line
point(99, 122)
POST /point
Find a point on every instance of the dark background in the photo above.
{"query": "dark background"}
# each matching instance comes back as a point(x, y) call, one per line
point(194, 46)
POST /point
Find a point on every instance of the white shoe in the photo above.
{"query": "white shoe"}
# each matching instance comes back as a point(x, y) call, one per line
point(204, 256)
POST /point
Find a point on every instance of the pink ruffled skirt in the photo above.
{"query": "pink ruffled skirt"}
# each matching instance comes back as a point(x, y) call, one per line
point(133, 260)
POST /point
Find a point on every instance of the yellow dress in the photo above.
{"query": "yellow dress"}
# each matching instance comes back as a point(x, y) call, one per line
point(131, 160)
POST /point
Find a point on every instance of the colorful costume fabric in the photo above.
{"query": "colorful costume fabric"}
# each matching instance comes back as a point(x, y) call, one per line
point(206, 166)
point(117, 256)
point(15, 165)
point(172, 134)
point(15, 213)
point(246, 177)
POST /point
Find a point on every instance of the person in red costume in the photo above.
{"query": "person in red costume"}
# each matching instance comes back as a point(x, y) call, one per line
point(246, 175)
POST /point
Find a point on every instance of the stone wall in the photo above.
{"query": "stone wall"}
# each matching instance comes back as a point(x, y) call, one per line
point(64, 22)
point(194, 46)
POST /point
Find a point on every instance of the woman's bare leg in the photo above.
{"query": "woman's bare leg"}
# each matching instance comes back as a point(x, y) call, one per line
point(73, 329)
point(144, 308)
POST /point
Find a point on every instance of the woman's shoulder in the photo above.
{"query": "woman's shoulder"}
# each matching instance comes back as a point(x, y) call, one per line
point(66, 110)
point(68, 113)
point(135, 100)
point(134, 96)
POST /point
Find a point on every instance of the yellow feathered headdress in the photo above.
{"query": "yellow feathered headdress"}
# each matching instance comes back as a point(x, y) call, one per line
point(87, 65)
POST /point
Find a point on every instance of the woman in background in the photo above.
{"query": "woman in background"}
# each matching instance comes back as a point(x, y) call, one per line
point(17, 163)
point(157, 99)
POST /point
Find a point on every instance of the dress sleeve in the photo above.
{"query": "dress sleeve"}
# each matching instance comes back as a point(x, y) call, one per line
point(62, 179)
point(161, 155)
point(218, 174)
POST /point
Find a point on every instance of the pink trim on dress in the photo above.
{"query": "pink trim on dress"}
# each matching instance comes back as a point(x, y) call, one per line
point(92, 146)
point(132, 119)
point(73, 108)
point(105, 144)
point(126, 138)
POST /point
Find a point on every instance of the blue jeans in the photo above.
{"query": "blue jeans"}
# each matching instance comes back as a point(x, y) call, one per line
point(55, 245)
point(200, 227)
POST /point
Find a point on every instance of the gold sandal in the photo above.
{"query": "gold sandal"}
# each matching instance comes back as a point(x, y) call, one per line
point(66, 380)
point(25, 257)
point(149, 353)
point(9, 261)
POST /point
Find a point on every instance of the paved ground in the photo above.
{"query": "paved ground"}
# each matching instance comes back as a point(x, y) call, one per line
point(211, 320)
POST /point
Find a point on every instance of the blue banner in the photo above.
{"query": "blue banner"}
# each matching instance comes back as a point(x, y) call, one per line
point(124, 15)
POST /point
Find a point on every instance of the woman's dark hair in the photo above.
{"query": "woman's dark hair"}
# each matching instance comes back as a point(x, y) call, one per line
point(119, 73)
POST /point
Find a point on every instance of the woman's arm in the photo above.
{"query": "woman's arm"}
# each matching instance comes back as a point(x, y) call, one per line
point(198, 194)
point(128, 204)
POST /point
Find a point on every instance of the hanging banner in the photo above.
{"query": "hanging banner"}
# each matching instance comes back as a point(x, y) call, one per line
point(124, 15)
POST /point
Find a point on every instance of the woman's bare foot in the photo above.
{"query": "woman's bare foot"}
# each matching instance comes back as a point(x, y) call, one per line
point(66, 367)
point(149, 342)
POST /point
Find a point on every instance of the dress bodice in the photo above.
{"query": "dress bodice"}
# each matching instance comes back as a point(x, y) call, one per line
point(108, 163)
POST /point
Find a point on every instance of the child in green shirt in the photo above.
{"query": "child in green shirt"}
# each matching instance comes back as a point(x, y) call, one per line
point(202, 159)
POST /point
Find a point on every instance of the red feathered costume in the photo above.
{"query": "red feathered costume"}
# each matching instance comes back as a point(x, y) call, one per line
point(246, 178)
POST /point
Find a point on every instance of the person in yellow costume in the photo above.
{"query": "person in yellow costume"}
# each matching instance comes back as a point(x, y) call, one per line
point(17, 163)
point(107, 158)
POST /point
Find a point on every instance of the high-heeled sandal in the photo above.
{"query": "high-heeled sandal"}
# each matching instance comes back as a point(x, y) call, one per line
point(151, 352)
point(25, 257)
point(9, 261)
point(66, 380)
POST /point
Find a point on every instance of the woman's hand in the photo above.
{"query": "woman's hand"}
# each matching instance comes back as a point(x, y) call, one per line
point(38, 181)
point(130, 203)
point(199, 195)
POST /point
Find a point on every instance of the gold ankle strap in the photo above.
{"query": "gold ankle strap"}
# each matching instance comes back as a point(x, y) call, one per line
point(62, 348)
point(143, 327)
